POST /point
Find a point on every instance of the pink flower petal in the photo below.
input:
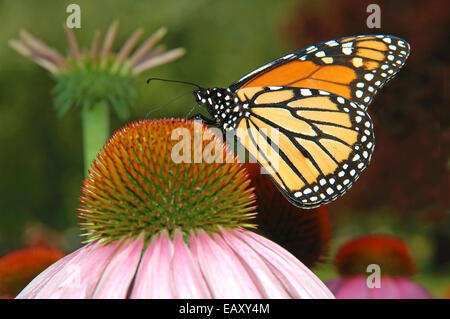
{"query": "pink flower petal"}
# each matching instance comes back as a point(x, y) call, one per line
point(388, 289)
point(297, 279)
point(187, 278)
point(334, 284)
point(230, 264)
point(153, 277)
point(120, 271)
point(353, 288)
point(224, 273)
point(267, 282)
point(88, 271)
point(36, 285)
point(412, 290)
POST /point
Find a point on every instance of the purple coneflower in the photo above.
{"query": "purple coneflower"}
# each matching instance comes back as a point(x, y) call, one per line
point(160, 229)
point(395, 264)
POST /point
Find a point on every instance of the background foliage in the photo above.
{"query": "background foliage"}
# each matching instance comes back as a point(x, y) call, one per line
point(404, 193)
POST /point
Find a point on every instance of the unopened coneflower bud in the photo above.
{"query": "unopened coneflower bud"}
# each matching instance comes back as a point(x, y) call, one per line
point(88, 77)
point(96, 80)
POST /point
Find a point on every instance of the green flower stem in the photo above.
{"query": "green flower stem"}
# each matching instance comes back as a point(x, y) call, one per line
point(95, 126)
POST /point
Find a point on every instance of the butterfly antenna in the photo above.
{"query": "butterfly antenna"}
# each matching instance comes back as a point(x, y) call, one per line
point(168, 102)
point(174, 81)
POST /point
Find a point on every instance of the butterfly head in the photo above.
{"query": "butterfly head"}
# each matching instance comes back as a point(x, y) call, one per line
point(220, 103)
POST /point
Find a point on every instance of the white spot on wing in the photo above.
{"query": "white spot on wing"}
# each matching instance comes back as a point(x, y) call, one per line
point(305, 92)
point(288, 56)
point(320, 54)
point(347, 51)
point(331, 43)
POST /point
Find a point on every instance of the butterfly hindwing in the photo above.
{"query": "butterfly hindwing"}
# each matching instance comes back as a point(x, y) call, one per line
point(313, 143)
point(352, 67)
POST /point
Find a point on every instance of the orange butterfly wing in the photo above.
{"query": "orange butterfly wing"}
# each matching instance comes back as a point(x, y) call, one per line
point(352, 67)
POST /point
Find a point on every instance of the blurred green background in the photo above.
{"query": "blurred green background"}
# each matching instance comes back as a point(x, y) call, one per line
point(404, 192)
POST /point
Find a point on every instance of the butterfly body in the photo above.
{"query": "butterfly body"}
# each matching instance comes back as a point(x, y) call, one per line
point(309, 107)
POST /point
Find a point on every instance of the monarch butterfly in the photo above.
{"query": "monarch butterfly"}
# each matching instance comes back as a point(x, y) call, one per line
point(316, 98)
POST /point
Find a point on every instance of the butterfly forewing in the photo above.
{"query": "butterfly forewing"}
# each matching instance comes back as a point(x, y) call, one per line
point(352, 67)
point(314, 144)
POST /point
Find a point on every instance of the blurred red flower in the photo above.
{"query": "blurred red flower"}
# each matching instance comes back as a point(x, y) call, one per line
point(390, 253)
point(395, 265)
point(19, 267)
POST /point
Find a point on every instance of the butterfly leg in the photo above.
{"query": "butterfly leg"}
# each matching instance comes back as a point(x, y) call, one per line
point(202, 118)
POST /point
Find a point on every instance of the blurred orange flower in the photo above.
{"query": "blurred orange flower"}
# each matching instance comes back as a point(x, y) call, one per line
point(19, 267)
